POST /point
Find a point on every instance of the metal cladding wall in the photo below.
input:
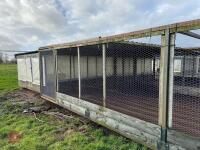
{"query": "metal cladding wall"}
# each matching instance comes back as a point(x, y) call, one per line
point(28, 71)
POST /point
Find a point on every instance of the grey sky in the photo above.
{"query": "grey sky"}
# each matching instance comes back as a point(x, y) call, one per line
point(29, 24)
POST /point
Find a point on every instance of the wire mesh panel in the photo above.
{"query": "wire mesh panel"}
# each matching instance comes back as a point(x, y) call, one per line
point(67, 71)
point(186, 93)
point(91, 74)
point(132, 82)
point(48, 73)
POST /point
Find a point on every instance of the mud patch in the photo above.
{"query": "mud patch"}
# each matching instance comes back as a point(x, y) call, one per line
point(14, 137)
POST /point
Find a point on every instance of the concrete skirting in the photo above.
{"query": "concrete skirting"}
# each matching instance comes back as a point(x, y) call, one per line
point(29, 85)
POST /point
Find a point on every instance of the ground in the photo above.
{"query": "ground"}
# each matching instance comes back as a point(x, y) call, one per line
point(28, 122)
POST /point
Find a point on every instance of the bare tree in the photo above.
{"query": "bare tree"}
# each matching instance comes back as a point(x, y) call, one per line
point(13, 61)
point(6, 58)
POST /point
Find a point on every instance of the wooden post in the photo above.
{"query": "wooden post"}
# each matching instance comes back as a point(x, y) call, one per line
point(79, 73)
point(104, 74)
point(166, 83)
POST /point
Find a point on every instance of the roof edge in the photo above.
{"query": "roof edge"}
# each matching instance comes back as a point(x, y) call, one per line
point(26, 53)
point(175, 27)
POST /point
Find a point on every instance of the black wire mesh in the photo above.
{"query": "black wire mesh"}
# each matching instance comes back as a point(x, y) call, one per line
point(48, 73)
point(91, 74)
point(67, 71)
point(132, 79)
point(186, 93)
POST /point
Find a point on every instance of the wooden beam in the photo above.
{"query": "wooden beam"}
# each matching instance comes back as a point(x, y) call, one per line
point(140, 131)
point(176, 27)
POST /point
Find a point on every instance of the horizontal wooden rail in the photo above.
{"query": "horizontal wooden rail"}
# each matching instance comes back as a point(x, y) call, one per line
point(176, 27)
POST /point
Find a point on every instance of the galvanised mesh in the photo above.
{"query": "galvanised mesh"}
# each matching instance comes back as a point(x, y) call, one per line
point(48, 73)
point(67, 71)
point(186, 91)
point(91, 65)
point(132, 79)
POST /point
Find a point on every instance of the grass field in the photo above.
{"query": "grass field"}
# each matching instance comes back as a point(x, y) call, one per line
point(19, 131)
point(8, 78)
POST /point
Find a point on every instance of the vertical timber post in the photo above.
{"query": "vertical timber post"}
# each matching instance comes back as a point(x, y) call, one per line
point(166, 86)
point(104, 74)
point(79, 73)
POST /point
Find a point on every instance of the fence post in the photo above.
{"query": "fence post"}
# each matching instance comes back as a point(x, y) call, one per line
point(79, 73)
point(104, 74)
point(166, 86)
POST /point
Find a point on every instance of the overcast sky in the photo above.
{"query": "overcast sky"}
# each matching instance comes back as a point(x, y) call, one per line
point(29, 24)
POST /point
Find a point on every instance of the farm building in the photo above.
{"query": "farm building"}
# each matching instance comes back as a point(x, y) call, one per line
point(147, 92)
point(28, 70)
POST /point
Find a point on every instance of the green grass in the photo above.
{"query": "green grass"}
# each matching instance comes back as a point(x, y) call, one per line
point(48, 135)
point(8, 78)
point(45, 135)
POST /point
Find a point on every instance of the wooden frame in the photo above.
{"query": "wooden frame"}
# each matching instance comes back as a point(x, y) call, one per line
point(166, 79)
point(174, 28)
point(133, 128)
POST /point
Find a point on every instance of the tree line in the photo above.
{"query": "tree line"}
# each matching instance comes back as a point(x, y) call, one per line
point(4, 59)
